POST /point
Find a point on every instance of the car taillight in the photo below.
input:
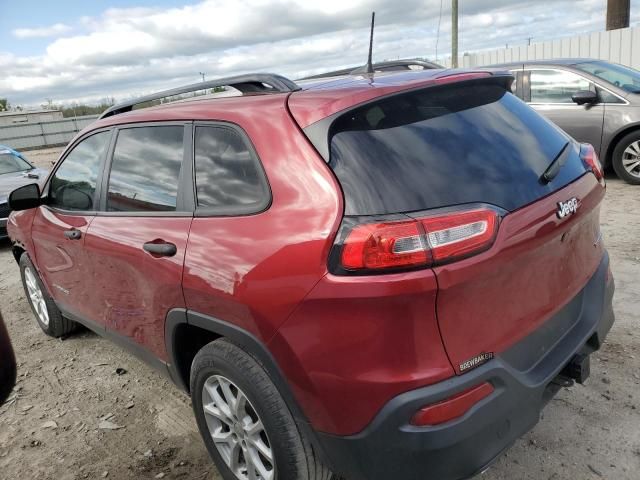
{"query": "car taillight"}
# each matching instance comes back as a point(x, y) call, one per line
point(418, 242)
point(461, 234)
point(590, 158)
point(384, 245)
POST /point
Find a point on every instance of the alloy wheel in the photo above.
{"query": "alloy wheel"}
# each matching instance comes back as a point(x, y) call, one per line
point(237, 431)
point(36, 297)
point(631, 159)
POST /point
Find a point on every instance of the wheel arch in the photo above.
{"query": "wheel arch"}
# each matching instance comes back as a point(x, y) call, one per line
point(208, 329)
point(613, 143)
point(180, 321)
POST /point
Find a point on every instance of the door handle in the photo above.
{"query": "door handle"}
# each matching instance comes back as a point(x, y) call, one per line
point(73, 234)
point(160, 249)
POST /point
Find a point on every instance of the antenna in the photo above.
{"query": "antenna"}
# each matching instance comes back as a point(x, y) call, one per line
point(369, 66)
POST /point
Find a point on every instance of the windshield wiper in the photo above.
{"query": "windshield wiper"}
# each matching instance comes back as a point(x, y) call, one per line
point(554, 167)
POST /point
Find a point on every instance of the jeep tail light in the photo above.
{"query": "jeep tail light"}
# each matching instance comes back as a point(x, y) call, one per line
point(418, 242)
point(461, 234)
point(384, 245)
point(590, 158)
point(451, 408)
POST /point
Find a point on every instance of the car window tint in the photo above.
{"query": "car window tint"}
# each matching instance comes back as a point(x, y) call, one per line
point(227, 172)
point(73, 185)
point(618, 75)
point(145, 169)
point(555, 86)
point(444, 146)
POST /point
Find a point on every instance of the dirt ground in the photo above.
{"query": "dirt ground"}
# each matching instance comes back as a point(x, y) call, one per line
point(69, 390)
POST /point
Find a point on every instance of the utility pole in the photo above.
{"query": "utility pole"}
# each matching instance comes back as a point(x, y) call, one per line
point(618, 12)
point(202, 73)
point(454, 33)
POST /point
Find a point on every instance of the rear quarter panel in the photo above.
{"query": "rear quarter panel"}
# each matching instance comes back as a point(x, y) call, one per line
point(253, 270)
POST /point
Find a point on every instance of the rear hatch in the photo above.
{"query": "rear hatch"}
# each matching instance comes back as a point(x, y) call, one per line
point(467, 150)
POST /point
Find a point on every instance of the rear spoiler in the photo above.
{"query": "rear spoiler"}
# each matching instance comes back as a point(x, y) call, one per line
point(318, 133)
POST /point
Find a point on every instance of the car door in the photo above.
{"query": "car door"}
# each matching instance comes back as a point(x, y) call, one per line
point(550, 91)
point(138, 239)
point(60, 225)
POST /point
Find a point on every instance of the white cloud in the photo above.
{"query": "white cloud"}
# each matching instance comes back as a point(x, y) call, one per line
point(131, 51)
point(49, 31)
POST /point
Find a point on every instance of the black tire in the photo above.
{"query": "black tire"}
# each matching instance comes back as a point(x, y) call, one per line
point(617, 157)
point(58, 326)
point(293, 454)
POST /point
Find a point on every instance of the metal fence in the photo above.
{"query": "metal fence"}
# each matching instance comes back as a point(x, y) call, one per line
point(617, 46)
point(27, 136)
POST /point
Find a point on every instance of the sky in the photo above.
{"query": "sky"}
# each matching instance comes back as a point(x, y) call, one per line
point(87, 50)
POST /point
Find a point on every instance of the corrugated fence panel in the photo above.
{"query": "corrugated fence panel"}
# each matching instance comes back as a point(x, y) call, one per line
point(618, 46)
point(605, 41)
point(43, 134)
point(625, 47)
point(583, 50)
point(614, 46)
point(594, 45)
point(635, 50)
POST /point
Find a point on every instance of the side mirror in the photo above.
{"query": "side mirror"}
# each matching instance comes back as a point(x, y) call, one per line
point(26, 197)
point(7, 364)
point(583, 97)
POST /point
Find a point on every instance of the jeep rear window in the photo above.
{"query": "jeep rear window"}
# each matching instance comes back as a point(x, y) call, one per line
point(441, 146)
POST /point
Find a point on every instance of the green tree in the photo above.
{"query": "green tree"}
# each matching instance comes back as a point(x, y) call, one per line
point(4, 105)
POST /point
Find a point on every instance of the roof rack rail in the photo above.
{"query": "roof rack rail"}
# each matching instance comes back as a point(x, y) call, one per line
point(250, 83)
point(392, 65)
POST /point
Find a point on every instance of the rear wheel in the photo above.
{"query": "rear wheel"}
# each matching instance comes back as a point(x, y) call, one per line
point(44, 308)
point(626, 158)
point(244, 421)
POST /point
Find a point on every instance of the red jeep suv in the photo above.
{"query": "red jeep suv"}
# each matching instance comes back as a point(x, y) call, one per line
point(377, 276)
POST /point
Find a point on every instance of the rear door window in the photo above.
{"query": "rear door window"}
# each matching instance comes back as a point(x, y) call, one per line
point(145, 169)
point(229, 177)
point(444, 146)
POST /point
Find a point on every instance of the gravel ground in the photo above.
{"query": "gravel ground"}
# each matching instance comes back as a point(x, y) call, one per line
point(72, 416)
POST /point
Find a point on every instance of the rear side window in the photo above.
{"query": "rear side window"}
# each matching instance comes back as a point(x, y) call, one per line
point(229, 177)
point(73, 186)
point(441, 146)
point(146, 169)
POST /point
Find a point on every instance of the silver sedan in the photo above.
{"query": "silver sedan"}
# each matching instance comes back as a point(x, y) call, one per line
point(594, 101)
